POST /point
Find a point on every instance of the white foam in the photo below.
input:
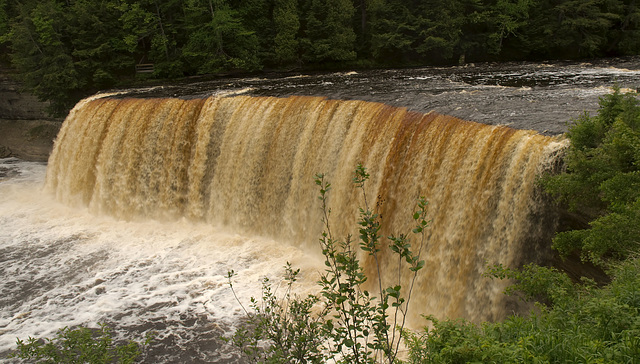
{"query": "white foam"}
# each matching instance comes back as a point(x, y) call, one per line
point(64, 267)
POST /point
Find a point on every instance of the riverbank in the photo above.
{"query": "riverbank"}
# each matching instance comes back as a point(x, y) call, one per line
point(29, 140)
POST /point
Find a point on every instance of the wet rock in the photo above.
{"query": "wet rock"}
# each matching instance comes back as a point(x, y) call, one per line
point(5, 152)
point(16, 104)
point(30, 140)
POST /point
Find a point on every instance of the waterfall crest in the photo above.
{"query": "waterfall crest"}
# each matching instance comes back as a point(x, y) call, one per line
point(249, 163)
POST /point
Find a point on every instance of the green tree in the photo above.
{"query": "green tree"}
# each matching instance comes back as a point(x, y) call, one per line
point(4, 18)
point(570, 28)
point(624, 38)
point(257, 17)
point(4, 31)
point(328, 32)
point(459, 30)
point(585, 25)
point(155, 29)
point(42, 57)
point(509, 20)
point(138, 25)
point(441, 27)
point(167, 36)
point(394, 31)
point(361, 27)
point(63, 51)
point(217, 40)
point(602, 181)
point(100, 54)
point(478, 40)
point(287, 24)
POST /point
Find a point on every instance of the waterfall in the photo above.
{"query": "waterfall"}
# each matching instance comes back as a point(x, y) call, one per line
point(248, 163)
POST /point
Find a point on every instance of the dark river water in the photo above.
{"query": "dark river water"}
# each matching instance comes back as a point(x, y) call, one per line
point(537, 96)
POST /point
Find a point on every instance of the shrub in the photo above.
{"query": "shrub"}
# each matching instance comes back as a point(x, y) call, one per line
point(602, 181)
point(346, 323)
point(79, 345)
point(582, 324)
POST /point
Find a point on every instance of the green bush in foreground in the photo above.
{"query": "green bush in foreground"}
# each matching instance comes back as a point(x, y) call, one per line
point(346, 323)
point(79, 345)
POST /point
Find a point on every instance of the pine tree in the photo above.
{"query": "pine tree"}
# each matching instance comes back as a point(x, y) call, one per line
point(329, 33)
point(394, 31)
point(41, 55)
point(287, 24)
point(217, 40)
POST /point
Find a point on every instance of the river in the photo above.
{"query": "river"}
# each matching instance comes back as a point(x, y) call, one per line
point(70, 258)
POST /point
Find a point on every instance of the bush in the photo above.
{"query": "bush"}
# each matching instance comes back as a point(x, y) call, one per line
point(584, 324)
point(346, 323)
point(79, 345)
point(602, 181)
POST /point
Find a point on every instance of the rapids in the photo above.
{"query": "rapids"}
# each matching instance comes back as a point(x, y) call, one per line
point(62, 266)
point(523, 95)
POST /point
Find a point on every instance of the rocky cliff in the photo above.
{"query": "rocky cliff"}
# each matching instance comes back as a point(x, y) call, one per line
point(26, 131)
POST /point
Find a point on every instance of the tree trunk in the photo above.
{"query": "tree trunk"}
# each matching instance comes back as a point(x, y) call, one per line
point(166, 50)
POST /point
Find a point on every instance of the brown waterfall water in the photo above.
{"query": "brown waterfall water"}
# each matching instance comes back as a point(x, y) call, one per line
point(248, 163)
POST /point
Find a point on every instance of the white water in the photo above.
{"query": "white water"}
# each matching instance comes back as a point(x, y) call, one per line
point(62, 266)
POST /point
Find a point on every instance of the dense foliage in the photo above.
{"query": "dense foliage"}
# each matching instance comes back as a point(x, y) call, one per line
point(584, 324)
point(79, 345)
point(65, 48)
point(602, 182)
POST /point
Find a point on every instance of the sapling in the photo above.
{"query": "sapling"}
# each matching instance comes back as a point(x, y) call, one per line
point(345, 323)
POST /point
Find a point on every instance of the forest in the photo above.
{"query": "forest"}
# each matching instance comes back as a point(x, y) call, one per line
point(63, 50)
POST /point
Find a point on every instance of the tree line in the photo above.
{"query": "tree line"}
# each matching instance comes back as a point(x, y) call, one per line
point(65, 48)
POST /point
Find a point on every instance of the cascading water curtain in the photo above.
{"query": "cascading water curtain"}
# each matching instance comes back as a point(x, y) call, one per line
point(249, 163)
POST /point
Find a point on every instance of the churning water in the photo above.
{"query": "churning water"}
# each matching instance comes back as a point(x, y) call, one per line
point(62, 266)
